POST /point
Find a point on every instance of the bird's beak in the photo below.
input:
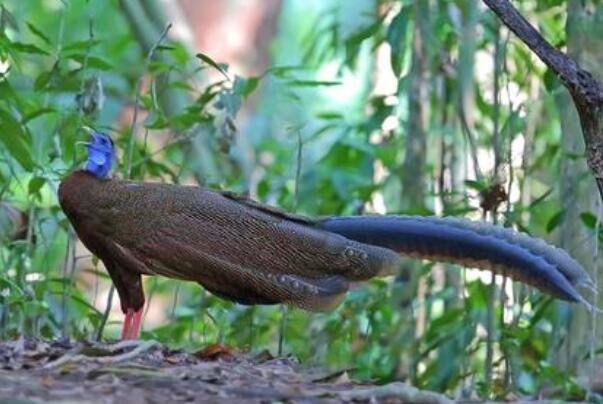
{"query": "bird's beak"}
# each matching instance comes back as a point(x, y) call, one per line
point(88, 130)
point(91, 132)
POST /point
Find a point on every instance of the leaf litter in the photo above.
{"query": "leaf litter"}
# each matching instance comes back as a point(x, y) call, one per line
point(33, 371)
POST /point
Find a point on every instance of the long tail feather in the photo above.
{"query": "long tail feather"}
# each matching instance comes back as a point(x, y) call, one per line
point(473, 244)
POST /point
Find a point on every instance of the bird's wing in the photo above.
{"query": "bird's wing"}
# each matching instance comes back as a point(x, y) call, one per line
point(267, 209)
point(237, 249)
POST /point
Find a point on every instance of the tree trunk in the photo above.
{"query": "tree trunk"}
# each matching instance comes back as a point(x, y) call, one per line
point(576, 187)
point(413, 177)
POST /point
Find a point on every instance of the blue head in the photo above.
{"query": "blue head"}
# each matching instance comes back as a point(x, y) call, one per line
point(100, 154)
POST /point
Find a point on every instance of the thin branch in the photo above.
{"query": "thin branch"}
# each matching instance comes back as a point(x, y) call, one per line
point(148, 59)
point(471, 140)
point(577, 80)
point(585, 90)
point(496, 138)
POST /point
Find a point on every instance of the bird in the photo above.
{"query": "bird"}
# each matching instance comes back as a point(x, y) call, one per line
point(251, 253)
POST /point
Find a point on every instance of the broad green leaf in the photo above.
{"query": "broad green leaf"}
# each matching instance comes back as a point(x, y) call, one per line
point(589, 220)
point(35, 184)
point(16, 140)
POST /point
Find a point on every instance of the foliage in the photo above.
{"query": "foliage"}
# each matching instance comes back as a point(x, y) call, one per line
point(81, 64)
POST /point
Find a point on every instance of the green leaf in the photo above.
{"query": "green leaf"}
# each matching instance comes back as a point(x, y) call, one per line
point(313, 83)
point(354, 41)
point(16, 139)
point(38, 33)
point(476, 185)
point(330, 116)
point(541, 198)
point(98, 63)
point(244, 87)
point(7, 20)
point(42, 80)
point(92, 62)
point(589, 220)
point(35, 184)
point(68, 130)
point(551, 82)
point(165, 48)
point(213, 64)
point(7, 283)
point(158, 67)
point(282, 72)
point(396, 37)
point(156, 120)
point(27, 48)
point(555, 221)
point(39, 112)
point(80, 45)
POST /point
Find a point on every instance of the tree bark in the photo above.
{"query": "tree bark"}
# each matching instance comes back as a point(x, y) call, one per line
point(413, 177)
point(587, 95)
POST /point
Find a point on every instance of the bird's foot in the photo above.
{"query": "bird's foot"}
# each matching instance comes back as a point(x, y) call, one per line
point(131, 327)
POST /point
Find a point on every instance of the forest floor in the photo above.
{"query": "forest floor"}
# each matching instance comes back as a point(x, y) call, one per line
point(145, 371)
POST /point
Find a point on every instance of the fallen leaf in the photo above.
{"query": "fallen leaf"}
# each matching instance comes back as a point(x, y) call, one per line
point(216, 352)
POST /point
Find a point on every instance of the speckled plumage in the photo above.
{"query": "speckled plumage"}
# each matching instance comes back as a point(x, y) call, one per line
point(251, 253)
point(240, 251)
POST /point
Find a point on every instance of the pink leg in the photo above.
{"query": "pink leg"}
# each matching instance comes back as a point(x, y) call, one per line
point(134, 332)
point(125, 331)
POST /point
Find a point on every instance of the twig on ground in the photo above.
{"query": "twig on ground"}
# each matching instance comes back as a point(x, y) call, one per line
point(141, 347)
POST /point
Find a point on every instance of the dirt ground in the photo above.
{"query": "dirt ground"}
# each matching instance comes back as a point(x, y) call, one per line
point(145, 371)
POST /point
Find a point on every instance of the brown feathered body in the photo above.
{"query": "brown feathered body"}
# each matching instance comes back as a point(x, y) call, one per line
point(250, 253)
point(234, 248)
